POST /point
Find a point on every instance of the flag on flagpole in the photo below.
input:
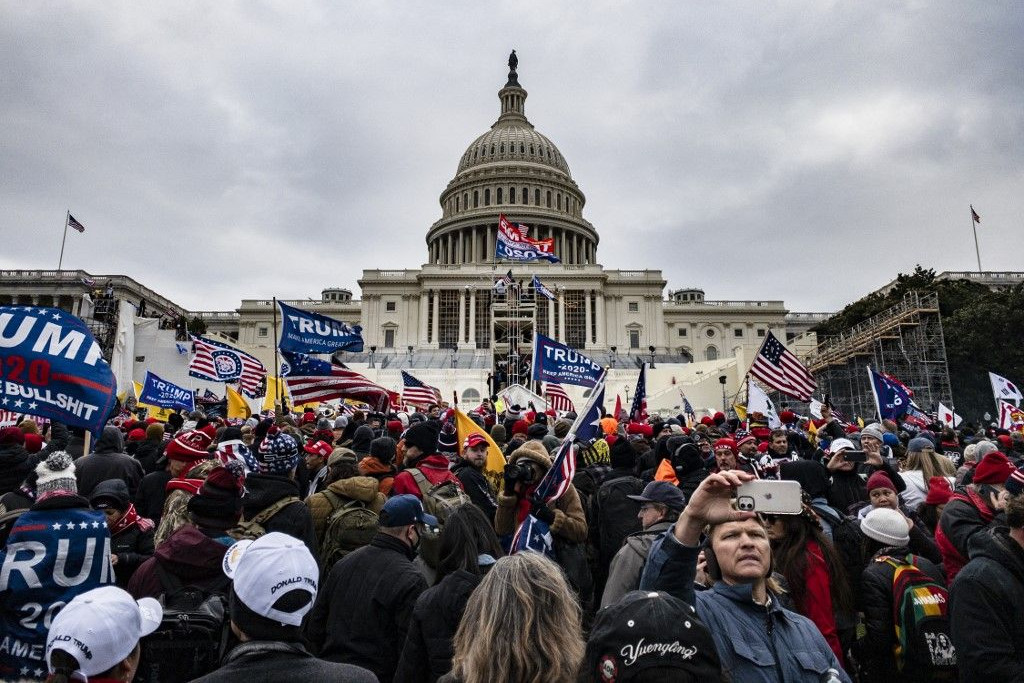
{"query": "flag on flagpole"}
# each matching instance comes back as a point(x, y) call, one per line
point(638, 411)
point(311, 380)
point(416, 393)
point(215, 361)
point(557, 398)
point(974, 215)
point(1003, 389)
point(272, 391)
point(948, 417)
point(779, 369)
point(1009, 415)
point(618, 407)
point(238, 407)
point(758, 402)
point(542, 289)
point(72, 223)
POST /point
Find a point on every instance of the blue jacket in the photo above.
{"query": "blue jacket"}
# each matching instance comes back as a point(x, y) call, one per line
point(755, 643)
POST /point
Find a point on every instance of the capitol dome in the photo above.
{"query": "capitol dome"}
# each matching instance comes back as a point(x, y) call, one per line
point(511, 169)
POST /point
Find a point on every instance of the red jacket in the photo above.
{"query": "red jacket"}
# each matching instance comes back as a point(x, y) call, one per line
point(434, 468)
point(818, 598)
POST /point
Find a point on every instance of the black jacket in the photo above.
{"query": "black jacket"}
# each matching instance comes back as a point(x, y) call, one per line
point(149, 501)
point(57, 440)
point(427, 654)
point(848, 489)
point(147, 453)
point(108, 461)
point(876, 598)
point(263, 490)
point(986, 606)
point(261, 661)
point(14, 467)
point(363, 609)
point(477, 488)
point(133, 545)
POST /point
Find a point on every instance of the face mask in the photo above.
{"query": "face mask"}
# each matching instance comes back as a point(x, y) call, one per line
point(415, 546)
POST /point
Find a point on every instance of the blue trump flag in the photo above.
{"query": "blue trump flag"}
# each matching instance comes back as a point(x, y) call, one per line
point(891, 398)
point(554, 362)
point(304, 332)
point(160, 392)
point(51, 366)
point(542, 289)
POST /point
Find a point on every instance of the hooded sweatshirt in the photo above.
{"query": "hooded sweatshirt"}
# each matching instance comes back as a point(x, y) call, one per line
point(108, 461)
point(192, 556)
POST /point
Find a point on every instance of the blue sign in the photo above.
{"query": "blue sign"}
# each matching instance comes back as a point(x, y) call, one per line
point(893, 400)
point(51, 556)
point(161, 393)
point(554, 362)
point(51, 366)
point(303, 332)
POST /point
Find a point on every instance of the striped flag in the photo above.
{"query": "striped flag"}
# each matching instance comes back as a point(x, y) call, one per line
point(311, 380)
point(778, 368)
point(416, 393)
point(557, 398)
point(638, 411)
point(72, 223)
point(218, 362)
point(974, 215)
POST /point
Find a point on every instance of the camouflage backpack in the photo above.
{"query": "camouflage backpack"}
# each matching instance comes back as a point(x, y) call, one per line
point(351, 525)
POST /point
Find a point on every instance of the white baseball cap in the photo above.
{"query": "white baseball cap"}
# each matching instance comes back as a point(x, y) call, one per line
point(840, 445)
point(101, 627)
point(269, 567)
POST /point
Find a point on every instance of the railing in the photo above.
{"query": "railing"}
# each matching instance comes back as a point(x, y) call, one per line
point(727, 304)
point(808, 317)
point(299, 302)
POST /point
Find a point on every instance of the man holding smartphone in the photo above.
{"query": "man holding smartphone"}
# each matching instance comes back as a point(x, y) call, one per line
point(848, 490)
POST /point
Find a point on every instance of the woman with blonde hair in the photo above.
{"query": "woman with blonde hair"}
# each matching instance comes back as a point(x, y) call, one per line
point(922, 463)
point(521, 625)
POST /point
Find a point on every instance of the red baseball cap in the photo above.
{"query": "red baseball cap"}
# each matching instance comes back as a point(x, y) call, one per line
point(321, 448)
point(474, 440)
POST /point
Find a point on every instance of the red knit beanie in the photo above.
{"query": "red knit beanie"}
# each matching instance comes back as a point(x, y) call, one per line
point(939, 491)
point(994, 468)
point(880, 480)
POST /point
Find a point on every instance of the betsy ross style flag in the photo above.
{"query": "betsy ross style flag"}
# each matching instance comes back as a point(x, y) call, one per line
point(217, 362)
point(557, 398)
point(638, 411)
point(72, 223)
point(416, 393)
point(311, 380)
point(778, 368)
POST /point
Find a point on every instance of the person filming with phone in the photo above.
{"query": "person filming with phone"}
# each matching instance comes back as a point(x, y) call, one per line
point(850, 468)
point(757, 639)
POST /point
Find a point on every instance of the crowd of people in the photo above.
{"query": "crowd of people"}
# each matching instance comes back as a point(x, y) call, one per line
point(341, 544)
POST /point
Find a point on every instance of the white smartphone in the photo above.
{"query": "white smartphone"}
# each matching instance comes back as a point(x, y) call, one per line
point(769, 496)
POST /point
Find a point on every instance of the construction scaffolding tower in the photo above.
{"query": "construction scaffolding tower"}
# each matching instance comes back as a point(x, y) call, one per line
point(513, 321)
point(904, 341)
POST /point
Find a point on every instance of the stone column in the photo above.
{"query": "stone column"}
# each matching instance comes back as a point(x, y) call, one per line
point(561, 318)
point(587, 337)
point(436, 325)
point(476, 251)
point(423, 318)
point(601, 340)
point(462, 318)
point(551, 319)
point(461, 255)
point(472, 318)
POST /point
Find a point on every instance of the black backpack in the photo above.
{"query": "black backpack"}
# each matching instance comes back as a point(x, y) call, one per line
point(846, 538)
point(616, 515)
point(192, 637)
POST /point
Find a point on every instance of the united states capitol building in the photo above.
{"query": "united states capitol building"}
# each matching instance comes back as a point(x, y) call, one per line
point(446, 322)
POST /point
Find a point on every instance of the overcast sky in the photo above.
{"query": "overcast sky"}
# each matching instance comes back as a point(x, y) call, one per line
point(798, 151)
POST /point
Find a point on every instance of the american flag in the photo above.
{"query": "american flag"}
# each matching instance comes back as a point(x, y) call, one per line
point(687, 408)
point(974, 215)
point(638, 411)
point(217, 362)
point(557, 398)
point(311, 379)
point(505, 279)
point(781, 370)
point(72, 223)
point(416, 393)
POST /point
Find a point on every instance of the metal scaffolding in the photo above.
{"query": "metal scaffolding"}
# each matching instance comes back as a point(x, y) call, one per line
point(905, 341)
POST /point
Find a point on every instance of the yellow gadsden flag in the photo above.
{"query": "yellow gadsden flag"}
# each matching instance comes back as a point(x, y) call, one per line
point(238, 407)
point(272, 388)
point(155, 412)
point(495, 466)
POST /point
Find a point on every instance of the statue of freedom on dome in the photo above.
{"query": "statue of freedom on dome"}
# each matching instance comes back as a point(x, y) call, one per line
point(513, 61)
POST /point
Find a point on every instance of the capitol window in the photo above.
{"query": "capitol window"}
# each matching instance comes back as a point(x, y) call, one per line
point(500, 195)
point(536, 197)
point(389, 339)
point(262, 331)
point(760, 332)
point(487, 197)
point(549, 199)
point(710, 332)
point(526, 196)
point(738, 332)
point(711, 353)
point(389, 305)
point(682, 331)
point(634, 339)
point(476, 198)
point(633, 306)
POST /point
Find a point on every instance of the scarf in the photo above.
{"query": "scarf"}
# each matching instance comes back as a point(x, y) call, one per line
point(131, 517)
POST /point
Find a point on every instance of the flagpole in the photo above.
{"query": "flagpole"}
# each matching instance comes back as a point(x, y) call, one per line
point(874, 392)
point(974, 227)
point(277, 376)
point(67, 219)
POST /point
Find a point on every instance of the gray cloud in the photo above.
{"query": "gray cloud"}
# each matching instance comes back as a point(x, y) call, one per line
point(797, 151)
